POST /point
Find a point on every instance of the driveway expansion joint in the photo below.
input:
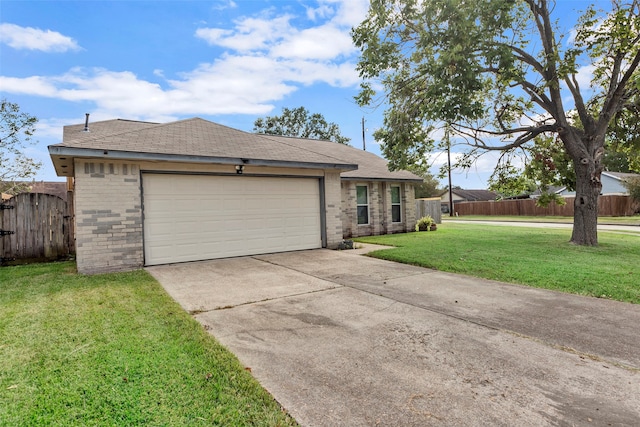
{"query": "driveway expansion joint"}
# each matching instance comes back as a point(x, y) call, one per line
point(231, 306)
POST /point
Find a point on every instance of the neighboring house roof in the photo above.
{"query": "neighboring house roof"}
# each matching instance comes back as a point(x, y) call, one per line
point(612, 183)
point(621, 176)
point(552, 189)
point(473, 195)
point(46, 187)
point(201, 141)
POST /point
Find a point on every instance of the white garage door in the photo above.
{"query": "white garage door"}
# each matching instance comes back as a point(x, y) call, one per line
point(195, 217)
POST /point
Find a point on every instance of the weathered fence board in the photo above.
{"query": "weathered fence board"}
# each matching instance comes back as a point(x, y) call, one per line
point(612, 205)
point(429, 207)
point(40, 226)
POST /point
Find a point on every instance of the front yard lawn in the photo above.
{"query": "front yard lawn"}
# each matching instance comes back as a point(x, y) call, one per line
point(613, 220)
point(537, 257)
point(114, 349)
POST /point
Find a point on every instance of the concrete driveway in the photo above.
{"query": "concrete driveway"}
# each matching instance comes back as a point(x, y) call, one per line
point(342, 339)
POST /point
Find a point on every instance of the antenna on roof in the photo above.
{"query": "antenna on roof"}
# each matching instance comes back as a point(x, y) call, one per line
point(86, 123)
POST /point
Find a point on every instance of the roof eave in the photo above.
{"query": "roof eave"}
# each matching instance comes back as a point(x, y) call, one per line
point(368, 178)
point(62, 158)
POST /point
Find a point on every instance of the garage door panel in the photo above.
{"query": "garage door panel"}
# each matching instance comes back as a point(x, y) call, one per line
point(191, 217)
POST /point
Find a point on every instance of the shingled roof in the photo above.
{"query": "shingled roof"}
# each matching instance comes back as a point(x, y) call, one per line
point(473, 195)
point(370, 166)
point(621, 176)
point(198, 140)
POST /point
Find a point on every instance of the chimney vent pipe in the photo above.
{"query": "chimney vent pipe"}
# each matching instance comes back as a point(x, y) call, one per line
point(86, 123)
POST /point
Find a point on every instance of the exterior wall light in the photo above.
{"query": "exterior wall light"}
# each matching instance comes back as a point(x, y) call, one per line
point(239, 169)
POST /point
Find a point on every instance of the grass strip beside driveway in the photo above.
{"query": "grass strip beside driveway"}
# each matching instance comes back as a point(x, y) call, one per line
point(536, 257)
point(114, 349)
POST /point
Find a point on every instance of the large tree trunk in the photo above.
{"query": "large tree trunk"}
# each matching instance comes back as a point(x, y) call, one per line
point(588, 187)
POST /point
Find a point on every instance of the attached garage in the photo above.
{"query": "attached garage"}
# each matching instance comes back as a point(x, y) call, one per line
point(157, 193)
point(198, 217)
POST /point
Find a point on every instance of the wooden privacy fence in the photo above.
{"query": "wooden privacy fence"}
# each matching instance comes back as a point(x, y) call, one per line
point(35, 227)
point(612, 205)
point(429, 207)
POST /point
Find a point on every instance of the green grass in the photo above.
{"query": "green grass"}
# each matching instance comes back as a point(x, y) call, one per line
point(537, 257)
point(114, 350)
point(614, 220)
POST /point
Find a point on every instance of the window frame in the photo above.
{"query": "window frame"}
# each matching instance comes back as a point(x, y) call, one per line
point(359, 205)
point(398, 204)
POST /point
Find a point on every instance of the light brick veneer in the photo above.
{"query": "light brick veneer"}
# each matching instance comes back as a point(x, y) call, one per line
point(380, 221)
point(108, 216)
point(333, 209)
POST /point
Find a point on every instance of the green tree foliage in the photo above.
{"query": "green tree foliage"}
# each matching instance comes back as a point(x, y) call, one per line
point(508, 181)
point(623, 140)
point(300, 123)
point(615, 162)
point(633, 186)
point(430, 186)
point(16, 130)
point(502, 76)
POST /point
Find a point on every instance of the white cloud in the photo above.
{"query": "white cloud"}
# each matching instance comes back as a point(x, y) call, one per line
point(322, 11)
point(266, 59)
point(325, 42)
point(249, 34)
point(349, 13)
point(584, 76)
point(276, 36)
point(35, 39)
point(223, 5)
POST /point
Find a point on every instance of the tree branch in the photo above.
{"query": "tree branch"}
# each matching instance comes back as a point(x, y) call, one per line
point(550, 73)
point(574, 88)
point(526, 58)
point(527, 134)
point(614, 98)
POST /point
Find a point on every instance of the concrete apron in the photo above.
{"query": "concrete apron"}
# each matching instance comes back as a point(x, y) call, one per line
point(342, 339)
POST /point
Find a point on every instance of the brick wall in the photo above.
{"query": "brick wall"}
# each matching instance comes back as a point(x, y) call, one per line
point(380, 218)
point(333, 209)
point(109, 213)
point(348, 211)
point(409, 207)
point(108, 216)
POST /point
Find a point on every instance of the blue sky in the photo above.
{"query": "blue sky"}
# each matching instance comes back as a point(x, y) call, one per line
point(225, 61)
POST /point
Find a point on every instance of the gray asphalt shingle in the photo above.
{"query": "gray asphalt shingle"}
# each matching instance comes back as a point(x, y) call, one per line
point(201, 138)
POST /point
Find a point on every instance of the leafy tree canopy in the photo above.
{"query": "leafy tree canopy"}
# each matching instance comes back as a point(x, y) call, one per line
point(16, 130)
point(430, 186)
point(501, 75)
point(298, 122)
point(633, 186)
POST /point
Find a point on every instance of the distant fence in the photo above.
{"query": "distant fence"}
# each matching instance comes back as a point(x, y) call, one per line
point(35, 227)
point(426, 207)
point(607, 206)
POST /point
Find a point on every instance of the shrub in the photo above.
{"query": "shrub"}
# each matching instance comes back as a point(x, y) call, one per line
point(424, 223)
point(633, 185)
